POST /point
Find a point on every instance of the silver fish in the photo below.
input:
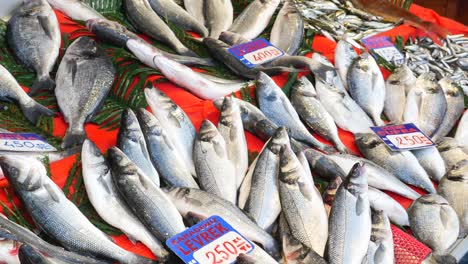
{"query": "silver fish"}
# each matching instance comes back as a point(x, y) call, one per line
point(381, 243)
point(195, 8)
point(193, 201)
point(34, 36)
point(84, 78)
point(106, 199)
point(216, 173)
point(147, 201)
point(322, 166)
point(219, 15)
point(232, 38)
point(350, 220)
point(310, 109)
point(434, 222)
point(462, 130)
point(402, 164)
point(231, 128)
point(254, 18)
point(131, 141)
point(367, 86)
point(397, 85)
point(164, 155)
point(344, 57)
point(452, 152)
point(56, 215)
point(76, 9)
point(380, 201)
point(10, 90)
point(431, 160)
point(288, 29)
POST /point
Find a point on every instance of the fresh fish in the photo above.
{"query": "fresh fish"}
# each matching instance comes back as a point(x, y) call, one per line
point(277, 107)
point(434, 222)
point(34, 36)
point(425, 105)
point(288, 30)
point(380, 201)
point(171, 11)
point(455, 107)
point(462, 130)
point(216, 172)
point(131, 141)
point(324, 71)
point(232, 38)
point(175, 122)
point(76, 9)
point(29, 255)
point(195, 9)
point(9, 251)
point(231, 128)
point(367, 86)
point(454, 188)
point(377, 176)
point(397, 85)
point(254, 18)
point(84, 79)
point(302, 204)
point(263, 202)
point(322, 166)
point(350, 219)
point(431, 160)
point(381, 249)
point(193, 201)
point(310, 109)
point(402, 164)
point(330, 193)
point(106, 199)
point(147, 201)
point(143, 17)
point(58, 217)
point(452, 152)
point(219, 15)
point(305, 164)
point(344, 57)
point(180, 74)
point(164, 155)
point(10, 90)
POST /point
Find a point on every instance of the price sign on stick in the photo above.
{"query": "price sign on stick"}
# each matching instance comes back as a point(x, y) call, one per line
point(403, 137)
point(256, 52)
point(24, 142)
point(384, 48)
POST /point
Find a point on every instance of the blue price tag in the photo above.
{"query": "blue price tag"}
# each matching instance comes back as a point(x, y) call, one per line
point(384, 48)
point(24, 142)
point(210, 241)
point(256, 52)
point(403, 137)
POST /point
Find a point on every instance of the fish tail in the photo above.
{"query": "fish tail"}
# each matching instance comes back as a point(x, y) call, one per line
point(43, 83)
point(33, 111)
point(73, 138)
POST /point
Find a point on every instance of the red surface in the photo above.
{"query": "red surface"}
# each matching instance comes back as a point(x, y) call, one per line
point(407, 250)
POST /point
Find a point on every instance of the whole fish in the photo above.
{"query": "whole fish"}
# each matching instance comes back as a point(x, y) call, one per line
point(84, 79)
point(431, 160)
point(164, 155)
point(142, 16)
point(58, 217)
point(232, 38)
point(455, 107)
point(11, 91)
point(452, 152)
point(310, 109)
point(288, 30)
point(131, 141)
point(76, 9)
point(301, 203)
point(397, 85)
point(325, 71)
point(106, 199)
point(254, 18)
point(425, 105)
point(350, 219)
point(216, 172)
point(34, 36)
point(277, 107)
point(171, 11)
point(9, 251)
point(19, 234)
point(180, 74)
point(462, 130)
point(381, 249)
point(204, 204)
point(402, 164)
point(231, 128)
point(367, 86)
point(147, 201)
point(454, 188)
point(263, 202)
point(175, 122)
point(380, 201)
point(344, 57)
point(195, 9)
point(219, 15)
point(434, 222)
point(322, 166)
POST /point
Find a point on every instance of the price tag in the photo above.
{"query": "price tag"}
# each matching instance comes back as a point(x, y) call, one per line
point(24, 142)
point(403, 137)
point(385, 49)
point(210, 241)
point(256, 52)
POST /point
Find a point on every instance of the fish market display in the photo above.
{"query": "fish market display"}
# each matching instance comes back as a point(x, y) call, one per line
point(288, 30)
point(34, 36)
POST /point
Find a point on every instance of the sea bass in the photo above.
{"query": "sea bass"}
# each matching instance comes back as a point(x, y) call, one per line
point(254, 18)
point(288, 30)
point(219, 15)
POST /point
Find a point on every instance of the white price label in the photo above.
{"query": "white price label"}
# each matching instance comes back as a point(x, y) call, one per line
point(24, 143)
point(263, 55)
point(410, 141)
point(391, 54)
point(223, 250)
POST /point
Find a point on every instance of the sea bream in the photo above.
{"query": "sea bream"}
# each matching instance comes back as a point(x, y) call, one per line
point(397, 85)
point(344, 57)
point(288, 30)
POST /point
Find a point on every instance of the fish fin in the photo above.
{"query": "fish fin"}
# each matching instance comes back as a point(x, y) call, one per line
point(220, 151)
point(104, 184)
point(174, 120)
point(193, 218)
point(51, 192)
point(360, 205)
point(306, 192)
point(72, 66)
point(168, 142)
point(45, 24)
point(73, 138)
point(43, 83)
point(33, 111)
